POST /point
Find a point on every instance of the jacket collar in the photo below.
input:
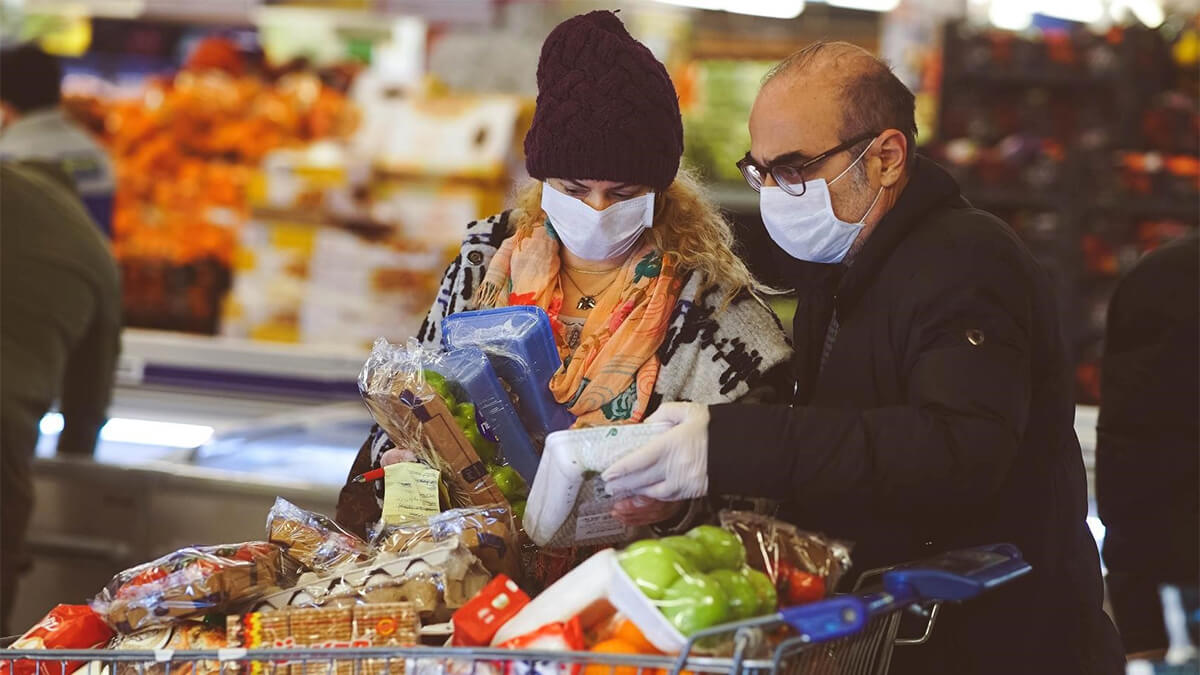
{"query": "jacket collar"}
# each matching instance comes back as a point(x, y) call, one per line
point(930, 188)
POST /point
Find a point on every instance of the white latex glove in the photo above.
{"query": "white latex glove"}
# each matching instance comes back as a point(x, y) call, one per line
point(671, 467)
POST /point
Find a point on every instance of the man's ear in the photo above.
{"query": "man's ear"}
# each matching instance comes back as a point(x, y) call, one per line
point(893, 155)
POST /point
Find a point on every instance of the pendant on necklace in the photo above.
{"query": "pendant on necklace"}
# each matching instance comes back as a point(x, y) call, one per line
point(586, 302)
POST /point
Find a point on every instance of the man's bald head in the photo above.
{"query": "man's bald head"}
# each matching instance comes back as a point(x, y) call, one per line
point(866, 92)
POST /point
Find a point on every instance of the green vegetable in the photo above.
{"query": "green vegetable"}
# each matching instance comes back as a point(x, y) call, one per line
point(695, 602)
point(768, 597)
point(743, 598)
point(724, 548)
point(654, 567)
point(511, 485)
point(518, 511)
point(440, 387)
point(691, 549)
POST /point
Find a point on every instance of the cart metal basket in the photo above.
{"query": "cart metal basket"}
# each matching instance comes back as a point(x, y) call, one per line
point(844, 635)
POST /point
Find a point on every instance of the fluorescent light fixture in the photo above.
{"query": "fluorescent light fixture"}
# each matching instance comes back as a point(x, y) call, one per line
point(1083, 11)
point(773, 9)
point(866, 5)
point(1149, 12)
point(140, 432)
point(1010, 15)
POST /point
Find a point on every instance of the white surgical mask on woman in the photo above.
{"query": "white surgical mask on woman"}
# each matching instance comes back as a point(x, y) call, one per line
point(597, 235)
point(805, 226)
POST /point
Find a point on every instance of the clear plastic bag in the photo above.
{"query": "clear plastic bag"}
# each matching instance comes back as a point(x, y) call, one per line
point(790, 556)
point(317, 542)
point(184, 635)
point(193, 582)
point(487, 531)
point(394, 385)
point(436, 577)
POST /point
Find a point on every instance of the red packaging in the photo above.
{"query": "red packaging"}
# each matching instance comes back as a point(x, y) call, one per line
point(65, 627)
point(555, 637)
point(476, 623)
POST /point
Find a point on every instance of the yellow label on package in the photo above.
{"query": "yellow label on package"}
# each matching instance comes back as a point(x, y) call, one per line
point(410, 491)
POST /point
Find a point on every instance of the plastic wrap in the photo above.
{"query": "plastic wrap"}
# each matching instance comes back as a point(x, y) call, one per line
point(65, 627)
point(520, 344)
point(393, 624)
point(192, 582)
point(435, 577)
point(473, 379)
point(184, 635)
point(487, 531)
point(568, 504)
point(416, 417)
point(315, 541)
point(803, 566)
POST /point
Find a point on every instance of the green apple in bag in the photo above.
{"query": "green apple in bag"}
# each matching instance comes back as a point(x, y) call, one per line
point(723, 548)
point(743, 598)
point(768, 597)
point(653, 567)
point(691, 549)
point(693, 603)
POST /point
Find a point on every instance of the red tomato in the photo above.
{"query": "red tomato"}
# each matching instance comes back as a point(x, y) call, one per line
point(797, 587)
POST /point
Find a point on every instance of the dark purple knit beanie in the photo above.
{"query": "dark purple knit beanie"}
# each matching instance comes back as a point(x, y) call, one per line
point(606, 108)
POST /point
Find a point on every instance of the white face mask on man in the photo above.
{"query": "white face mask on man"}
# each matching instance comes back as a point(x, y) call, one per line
point(598, 235)
point(805, 226)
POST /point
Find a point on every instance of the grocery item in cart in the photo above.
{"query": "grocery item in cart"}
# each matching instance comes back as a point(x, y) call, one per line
point(487, 531)
point(473, 382)
point(416, 418)
point(476, 623)
point(520, 344)
point(65, 627)
point(315, 541)
point(435, 577)
point(392, 624)
point(184, 635)
point(565, 636)
point(803, 566)
point(193, 582)
point(568, 504)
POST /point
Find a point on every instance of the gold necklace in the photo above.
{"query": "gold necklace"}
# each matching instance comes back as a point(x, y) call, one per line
point(586, 300)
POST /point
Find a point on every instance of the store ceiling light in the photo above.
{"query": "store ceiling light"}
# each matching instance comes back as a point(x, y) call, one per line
point(1010, 15)
point(866, 5)
point(1149, 12)
point(140, 432)
point(774, 9)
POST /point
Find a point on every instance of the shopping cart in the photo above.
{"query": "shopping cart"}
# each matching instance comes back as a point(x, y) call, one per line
point(845, 635)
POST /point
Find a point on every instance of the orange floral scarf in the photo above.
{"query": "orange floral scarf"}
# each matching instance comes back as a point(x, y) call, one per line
point(609, 377)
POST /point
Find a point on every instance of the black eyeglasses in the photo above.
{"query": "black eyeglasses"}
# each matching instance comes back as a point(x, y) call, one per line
point(790, 177)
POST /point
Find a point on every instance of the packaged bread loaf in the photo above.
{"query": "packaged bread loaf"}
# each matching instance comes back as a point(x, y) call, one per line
point(487, 531)
point(315, 541)
point(192, 582)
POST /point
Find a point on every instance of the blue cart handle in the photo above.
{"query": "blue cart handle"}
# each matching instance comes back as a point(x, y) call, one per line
point(959, 575)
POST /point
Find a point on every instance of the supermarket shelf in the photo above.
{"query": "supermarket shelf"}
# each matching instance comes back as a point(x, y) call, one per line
point(161, 359)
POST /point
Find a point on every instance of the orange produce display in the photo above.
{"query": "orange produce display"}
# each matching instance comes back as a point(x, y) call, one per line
point(185, 152)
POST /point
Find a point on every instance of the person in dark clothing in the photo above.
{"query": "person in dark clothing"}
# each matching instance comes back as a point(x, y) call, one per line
point(60, 322)
point(1148, 439)
point(933, 407)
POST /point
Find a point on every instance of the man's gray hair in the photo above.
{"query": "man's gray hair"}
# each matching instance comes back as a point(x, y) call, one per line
point(873, 98)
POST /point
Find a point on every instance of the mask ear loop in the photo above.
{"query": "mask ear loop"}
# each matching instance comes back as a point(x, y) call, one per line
point(856, 161)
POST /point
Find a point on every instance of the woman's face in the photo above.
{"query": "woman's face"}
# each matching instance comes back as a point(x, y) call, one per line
point(598, 194)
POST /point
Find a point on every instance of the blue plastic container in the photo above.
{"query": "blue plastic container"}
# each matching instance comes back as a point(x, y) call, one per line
point(520, 344)
point(471, 378)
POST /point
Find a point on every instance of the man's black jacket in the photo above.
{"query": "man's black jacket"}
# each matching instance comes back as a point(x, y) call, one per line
point(942, 419)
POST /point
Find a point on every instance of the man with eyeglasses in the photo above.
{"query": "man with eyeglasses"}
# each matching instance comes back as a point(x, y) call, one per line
point(933, 406)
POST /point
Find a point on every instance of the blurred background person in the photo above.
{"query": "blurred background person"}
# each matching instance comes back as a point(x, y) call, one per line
point(34, 126)
point(60, 323)
point(1148, 440)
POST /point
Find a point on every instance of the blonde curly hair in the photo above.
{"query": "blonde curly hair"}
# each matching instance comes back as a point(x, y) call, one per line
point(687, 226)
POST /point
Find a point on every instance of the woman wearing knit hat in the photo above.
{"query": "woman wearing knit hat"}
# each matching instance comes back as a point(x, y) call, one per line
point(633, 265)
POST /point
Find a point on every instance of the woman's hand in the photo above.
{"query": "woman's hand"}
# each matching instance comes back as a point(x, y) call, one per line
point(639, 511)
point(397, 455)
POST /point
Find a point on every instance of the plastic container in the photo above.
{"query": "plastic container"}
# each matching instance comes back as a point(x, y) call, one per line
point(520, 344)
point(470, 371)
point(568, 504)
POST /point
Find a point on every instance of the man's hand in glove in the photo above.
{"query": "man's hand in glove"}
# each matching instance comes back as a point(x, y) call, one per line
point(672, 466)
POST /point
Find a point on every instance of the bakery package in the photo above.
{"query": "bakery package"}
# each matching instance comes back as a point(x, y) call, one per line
point(435, 577)
point(391, 624)
point(312, 539)
point(394, 387)
point(803, 565)
point(180, 636)
point(568, 504)
point(487, 531)
point(192, 582)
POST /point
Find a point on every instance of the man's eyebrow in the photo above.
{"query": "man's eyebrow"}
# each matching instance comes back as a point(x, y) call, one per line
point(788, 158)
